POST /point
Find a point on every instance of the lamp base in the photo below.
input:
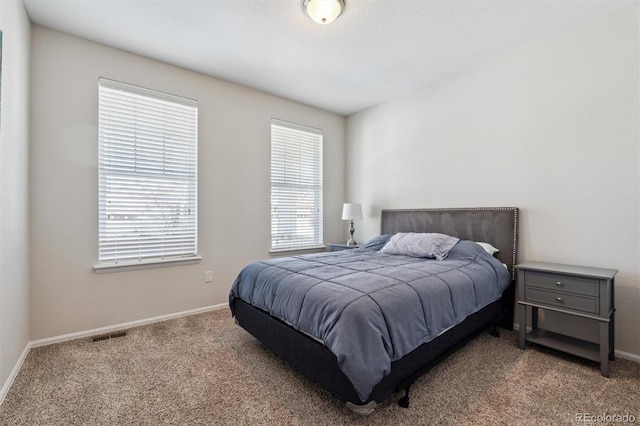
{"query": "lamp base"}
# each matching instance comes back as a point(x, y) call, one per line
point(351, 241)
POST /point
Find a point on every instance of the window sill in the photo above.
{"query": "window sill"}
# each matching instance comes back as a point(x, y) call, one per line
point(290, 251)
point(149, 264)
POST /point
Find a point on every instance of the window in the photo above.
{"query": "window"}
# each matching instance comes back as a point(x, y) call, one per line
point(296, 186)
point(147, 175)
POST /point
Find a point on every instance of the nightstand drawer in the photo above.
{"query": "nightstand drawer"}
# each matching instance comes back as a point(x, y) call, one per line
point(342, 246)
point(563, 283)
point(562, 300)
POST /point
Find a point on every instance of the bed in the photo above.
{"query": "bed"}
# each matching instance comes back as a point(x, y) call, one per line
point(338, 317)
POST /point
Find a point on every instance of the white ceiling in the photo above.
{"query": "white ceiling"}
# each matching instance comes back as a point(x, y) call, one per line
point(377, 50)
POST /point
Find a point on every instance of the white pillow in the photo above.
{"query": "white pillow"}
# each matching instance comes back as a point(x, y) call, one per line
point(431, 245)
point(488, 248)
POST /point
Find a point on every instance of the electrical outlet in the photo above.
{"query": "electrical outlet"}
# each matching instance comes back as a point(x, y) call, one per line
point(208, 276)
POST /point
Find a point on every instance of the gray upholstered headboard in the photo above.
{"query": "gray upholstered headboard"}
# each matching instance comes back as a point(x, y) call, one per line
point(495, 225)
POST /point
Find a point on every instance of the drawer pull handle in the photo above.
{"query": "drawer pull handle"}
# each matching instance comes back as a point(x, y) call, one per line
point(558, 283)
point(559, 299)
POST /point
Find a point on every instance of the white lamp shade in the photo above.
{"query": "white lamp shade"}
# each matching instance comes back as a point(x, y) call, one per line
point(323, 11)
point(351, 211)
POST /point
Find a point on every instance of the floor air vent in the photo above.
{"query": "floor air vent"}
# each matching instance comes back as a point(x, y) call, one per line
point(108, 336)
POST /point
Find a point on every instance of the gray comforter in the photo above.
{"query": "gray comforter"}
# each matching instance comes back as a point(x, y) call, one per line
point(369, 308)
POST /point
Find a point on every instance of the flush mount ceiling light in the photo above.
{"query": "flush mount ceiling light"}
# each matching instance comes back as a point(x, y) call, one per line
point(323, 11)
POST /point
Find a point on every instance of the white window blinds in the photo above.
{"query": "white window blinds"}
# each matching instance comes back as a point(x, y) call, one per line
point(296, 186)
point(147, 175)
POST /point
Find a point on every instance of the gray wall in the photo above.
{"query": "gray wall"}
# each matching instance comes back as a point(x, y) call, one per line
point(14, 187)
point(552, 128)
point(234, 192)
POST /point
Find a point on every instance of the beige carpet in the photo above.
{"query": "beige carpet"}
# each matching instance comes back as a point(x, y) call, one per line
point(205, 370)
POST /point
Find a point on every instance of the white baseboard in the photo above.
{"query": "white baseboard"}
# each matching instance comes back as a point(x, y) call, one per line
point(7, 385)
point(116, 327)
point(80, 334)
point(617, 352)
point(627, 355)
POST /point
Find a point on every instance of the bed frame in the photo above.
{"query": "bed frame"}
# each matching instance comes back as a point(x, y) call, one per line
point(497, 226)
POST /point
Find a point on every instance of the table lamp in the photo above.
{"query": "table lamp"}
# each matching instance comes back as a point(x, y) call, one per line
point(351, 212)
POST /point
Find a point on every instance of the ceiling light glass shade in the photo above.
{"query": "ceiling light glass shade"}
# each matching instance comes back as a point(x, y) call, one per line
point(323, 11)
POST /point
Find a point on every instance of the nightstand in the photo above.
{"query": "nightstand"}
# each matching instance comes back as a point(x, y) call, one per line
point(341, 246)
point(583, 293)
